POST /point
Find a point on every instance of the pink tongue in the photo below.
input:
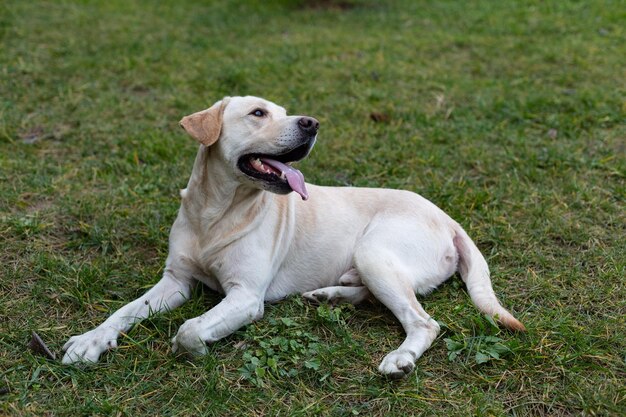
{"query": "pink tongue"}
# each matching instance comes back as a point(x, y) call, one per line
point(294, 177)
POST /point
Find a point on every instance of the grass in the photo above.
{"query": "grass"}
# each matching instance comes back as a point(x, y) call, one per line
point(508, 115)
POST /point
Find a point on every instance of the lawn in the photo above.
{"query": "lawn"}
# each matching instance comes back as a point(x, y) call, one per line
point(510, 115)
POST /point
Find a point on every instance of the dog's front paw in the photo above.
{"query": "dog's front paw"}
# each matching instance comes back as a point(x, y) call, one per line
point(189, 339)
point(88, 347)
point(397, 364)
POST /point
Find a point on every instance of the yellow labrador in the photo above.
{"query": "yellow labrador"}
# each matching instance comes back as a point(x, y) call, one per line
point(243, 232)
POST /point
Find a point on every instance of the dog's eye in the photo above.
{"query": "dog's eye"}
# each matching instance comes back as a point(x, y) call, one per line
point(258, 113)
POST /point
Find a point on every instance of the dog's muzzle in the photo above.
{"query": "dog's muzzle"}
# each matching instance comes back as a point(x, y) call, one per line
point(275, 171)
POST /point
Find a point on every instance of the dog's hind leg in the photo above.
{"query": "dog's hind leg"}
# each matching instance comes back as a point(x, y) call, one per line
point(385, 271)
point(351, 291)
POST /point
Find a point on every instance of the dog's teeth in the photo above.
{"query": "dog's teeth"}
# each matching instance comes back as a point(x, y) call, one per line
point(256, 162)
point(282, 175)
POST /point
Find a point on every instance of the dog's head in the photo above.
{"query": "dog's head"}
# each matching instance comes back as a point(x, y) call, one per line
point(257, 140)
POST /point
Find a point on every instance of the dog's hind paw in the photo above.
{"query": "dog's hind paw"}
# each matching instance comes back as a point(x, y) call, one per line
point(317, 296)
point(337, 295)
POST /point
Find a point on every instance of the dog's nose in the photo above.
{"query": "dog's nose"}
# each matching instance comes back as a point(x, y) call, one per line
point(309, 125)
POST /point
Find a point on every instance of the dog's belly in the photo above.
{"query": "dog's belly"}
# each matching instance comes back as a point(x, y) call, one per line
point(296, 279)
point(331, 226)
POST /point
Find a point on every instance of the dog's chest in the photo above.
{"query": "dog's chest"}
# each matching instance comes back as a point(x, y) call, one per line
point(198, 269)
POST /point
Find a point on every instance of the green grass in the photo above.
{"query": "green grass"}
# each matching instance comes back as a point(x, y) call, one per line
point(508, 115)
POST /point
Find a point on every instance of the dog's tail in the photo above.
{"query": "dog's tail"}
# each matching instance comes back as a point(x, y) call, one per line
point(475, 273)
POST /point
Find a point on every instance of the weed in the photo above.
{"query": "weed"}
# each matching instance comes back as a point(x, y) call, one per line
point(484, 346)
point(282, 352)
point(284, 348)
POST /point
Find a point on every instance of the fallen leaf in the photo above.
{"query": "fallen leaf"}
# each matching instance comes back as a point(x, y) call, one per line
point(379, 117)
point(38, 346)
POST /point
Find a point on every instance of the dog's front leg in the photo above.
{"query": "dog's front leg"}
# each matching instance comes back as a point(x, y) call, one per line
point(241, 306)
point(169, 293)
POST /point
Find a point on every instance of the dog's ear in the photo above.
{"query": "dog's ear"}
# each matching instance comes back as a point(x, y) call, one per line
point(205, 126)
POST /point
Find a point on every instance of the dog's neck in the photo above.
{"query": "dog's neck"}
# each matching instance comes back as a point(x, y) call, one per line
point(211, 192)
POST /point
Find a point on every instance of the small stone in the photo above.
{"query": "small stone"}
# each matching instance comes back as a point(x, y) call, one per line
point(552, 133)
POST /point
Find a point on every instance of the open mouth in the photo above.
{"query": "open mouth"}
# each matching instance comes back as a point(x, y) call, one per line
point(276, 169)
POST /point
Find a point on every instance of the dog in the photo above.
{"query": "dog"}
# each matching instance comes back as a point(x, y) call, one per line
point(250, 228)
